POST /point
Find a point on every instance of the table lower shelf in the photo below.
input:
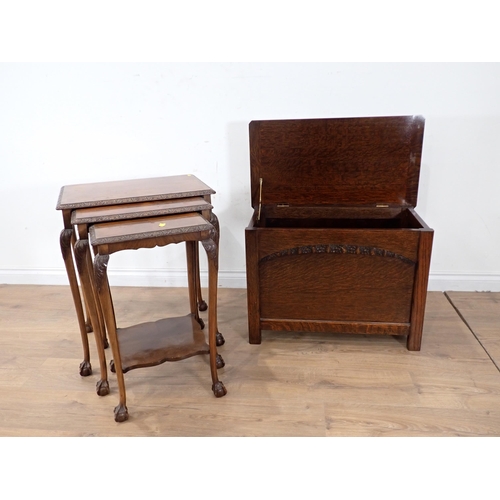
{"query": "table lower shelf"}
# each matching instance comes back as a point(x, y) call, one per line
point(153, 343)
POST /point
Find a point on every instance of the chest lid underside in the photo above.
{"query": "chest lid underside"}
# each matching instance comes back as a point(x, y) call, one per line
point(336, 161)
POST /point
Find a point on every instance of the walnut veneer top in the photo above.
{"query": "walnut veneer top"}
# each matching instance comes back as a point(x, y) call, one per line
point(109, 213)
point(154, 227)
point(131, 191)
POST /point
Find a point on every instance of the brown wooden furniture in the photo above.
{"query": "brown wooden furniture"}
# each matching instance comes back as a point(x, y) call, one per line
point(85, 204)
point(170, 339)
point(83, 219)
point(335, 244)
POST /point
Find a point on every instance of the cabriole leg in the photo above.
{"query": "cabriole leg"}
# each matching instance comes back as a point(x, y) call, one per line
point(81, 257)
point(213, 257)
point(103, 290)
point(215, 222)
point(66, 241)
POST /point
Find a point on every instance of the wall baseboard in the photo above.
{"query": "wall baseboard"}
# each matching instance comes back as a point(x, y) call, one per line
point(464, 282)
point(141, 277)
point(227, 279)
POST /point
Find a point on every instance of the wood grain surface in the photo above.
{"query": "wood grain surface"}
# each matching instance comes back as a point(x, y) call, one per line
point(353, 161)
point(293, 384)
point(482, 316)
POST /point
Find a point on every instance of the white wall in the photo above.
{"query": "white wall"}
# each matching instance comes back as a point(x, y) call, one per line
point(71, 123)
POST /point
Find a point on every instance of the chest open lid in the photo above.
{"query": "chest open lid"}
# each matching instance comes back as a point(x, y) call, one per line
point(336, 161)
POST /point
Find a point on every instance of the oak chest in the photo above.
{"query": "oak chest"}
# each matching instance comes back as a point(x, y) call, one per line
point(335, 243)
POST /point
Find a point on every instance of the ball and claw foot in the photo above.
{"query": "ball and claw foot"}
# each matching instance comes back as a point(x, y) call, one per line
point(102, 388)
point(105, 343)
point(219, 389)
point(219, 339)
point(121, 413)
point(219, 362)
point(88, 327)
point(112, 366)
point(202, 305)
point(201, 323)
point(85, 368)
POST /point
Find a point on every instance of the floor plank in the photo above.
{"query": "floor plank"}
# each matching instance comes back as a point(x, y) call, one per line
point(482, 315)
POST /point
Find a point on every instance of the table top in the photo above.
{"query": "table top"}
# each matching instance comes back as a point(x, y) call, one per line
point(131, 191)
point(126, 211)
point(154, 227)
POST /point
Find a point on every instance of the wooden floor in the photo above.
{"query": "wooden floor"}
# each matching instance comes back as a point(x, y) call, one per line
point(293, 384)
